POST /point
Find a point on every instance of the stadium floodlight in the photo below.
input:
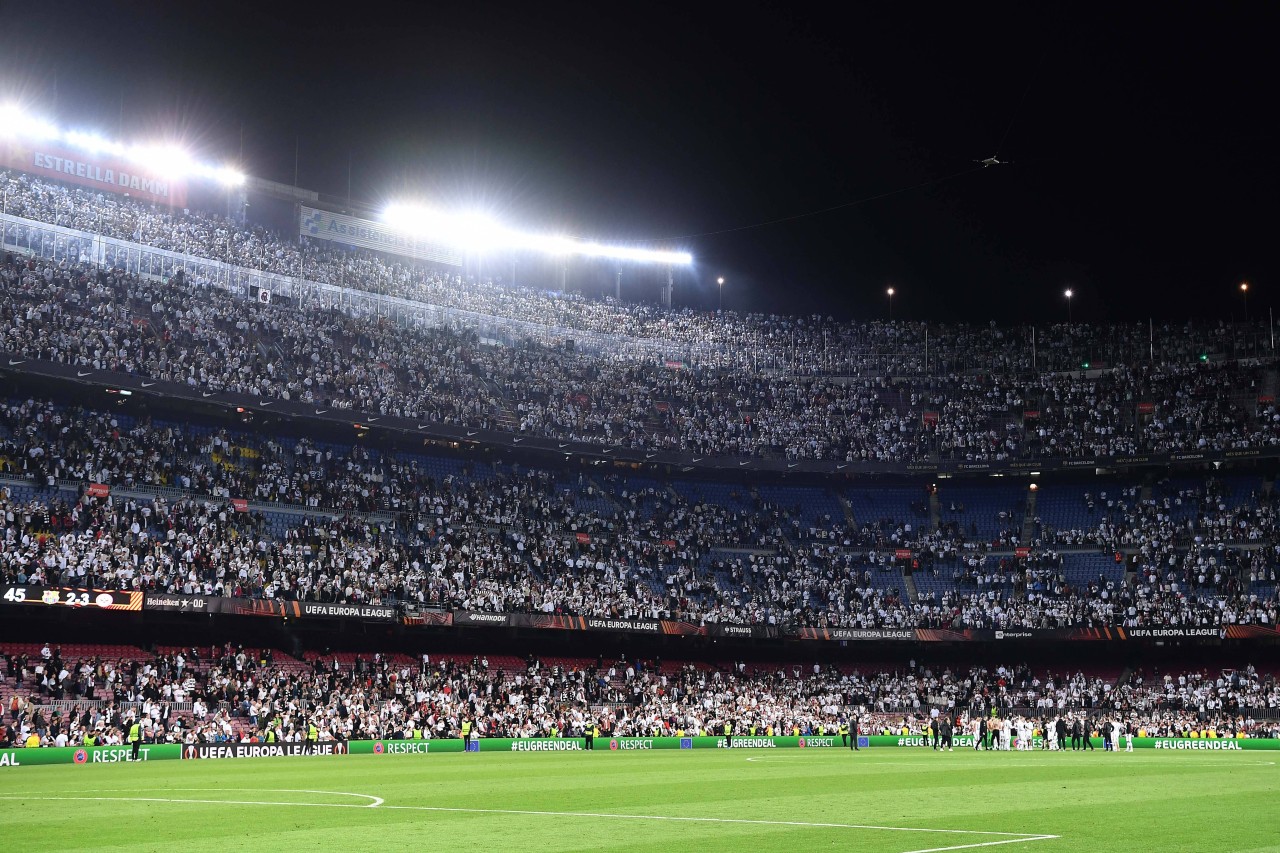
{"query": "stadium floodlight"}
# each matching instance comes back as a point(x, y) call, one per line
point(15, 121)
point(475, 232)
point(478, 232)
point(168, 160)
point(225, 175)
point(92, 143)
point(629, 253)
point(550, 245)
point(471, 231)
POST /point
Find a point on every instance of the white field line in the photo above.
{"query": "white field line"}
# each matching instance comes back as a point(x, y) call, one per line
point(376, 801)
point(1006, 837)
point(188, 799)
point(1028, 839)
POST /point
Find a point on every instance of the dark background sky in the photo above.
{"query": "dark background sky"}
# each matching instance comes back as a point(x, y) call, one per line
point(1142, 143)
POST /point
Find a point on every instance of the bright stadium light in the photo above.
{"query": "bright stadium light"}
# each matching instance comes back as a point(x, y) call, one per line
point(15, 121)
point(478, 232)
point(550, 245)
point(225, 175)
point(168, 160)
point(92, 143)
point(628, 253)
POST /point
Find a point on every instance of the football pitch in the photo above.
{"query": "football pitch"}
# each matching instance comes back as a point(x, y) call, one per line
point(878, 801)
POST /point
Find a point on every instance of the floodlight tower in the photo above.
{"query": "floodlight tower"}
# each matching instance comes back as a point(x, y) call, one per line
point(668, 287)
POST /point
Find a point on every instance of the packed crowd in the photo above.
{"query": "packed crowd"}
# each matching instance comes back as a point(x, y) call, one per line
point(985, 398)
point(227, 693)
point(105, 319)
point(511, 539)
point(799, 344)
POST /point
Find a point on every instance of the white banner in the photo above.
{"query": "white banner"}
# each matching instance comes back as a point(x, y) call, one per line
point(367, 234)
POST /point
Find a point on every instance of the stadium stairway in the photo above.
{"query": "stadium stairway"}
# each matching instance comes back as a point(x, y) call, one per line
point(935, 510)
point(1029, 518)
point(847, 509)
point(1130, 579)
point(909, 581)
point(605, 494)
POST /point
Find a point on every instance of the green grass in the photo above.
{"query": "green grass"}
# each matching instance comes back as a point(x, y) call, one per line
point(1094, 802)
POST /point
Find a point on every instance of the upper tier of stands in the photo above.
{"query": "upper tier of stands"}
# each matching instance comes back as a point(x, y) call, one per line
point(775, 387)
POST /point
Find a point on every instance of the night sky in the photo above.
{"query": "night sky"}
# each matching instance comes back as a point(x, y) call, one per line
point(1141, 145)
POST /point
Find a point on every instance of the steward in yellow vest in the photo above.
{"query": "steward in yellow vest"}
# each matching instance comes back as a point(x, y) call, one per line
point(135, 738)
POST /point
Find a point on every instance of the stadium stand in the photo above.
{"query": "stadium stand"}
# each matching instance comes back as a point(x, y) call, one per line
point(829, 400)
point(350, 523)
point(190, 694)
point(365, 522)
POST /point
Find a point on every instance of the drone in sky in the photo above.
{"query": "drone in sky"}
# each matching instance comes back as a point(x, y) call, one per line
point(992, 161)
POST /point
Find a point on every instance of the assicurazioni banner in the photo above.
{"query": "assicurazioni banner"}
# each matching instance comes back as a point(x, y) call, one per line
point(318, 224)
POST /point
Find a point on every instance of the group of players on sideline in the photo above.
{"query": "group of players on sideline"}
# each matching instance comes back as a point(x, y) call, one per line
point(228, 694)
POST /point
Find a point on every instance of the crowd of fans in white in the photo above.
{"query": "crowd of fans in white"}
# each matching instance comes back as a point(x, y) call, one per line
point(226, 693)
point(797, 344)
point(510, 539)
point(800, 388)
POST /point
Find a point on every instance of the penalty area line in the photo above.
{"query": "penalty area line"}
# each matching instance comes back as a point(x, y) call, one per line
point(1009, 837)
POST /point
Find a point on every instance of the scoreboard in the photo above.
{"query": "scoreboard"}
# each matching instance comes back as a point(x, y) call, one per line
point(104, 599)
